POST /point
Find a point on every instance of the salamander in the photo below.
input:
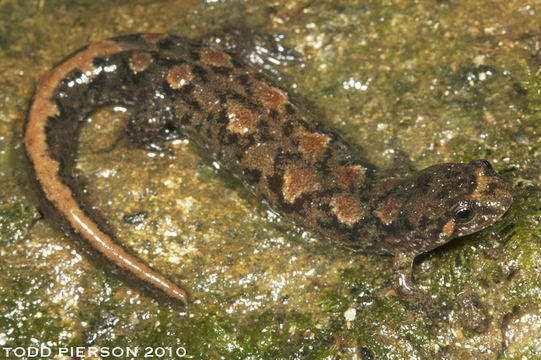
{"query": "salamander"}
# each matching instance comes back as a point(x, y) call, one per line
point(277, 149)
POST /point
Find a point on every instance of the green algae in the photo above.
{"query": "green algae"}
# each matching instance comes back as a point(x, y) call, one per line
point(15, 219)
point(532, 86)
point(25, 314)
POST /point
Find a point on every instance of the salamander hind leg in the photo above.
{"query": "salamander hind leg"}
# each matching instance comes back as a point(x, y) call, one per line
point(152, 123)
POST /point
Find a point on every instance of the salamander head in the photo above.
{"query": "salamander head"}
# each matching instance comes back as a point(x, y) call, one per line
point(446, 201)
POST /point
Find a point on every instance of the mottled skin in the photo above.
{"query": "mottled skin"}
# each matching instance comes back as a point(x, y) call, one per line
point(276, 148)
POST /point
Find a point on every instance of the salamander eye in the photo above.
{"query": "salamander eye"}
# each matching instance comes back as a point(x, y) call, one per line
point(462, 212)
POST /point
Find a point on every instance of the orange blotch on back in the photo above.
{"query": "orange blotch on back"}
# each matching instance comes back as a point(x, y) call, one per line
point(241, 120)
point(347, 209)
point(179, 75)
point(140, 61)
point(272, 97)
point(297, 182)
point(387, 210)
point(386, 184)
point(215, 57)
point(351, 175)
point(313, 143)
point(415, 216)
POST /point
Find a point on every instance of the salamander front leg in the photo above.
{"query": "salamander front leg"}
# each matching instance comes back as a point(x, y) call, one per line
point(471, 313)
point(405, 288)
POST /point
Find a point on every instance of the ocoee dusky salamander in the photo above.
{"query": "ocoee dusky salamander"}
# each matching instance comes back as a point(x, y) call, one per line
point(276, 148)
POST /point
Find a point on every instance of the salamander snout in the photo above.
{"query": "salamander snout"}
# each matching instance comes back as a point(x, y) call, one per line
point(489, 199)
point(446, 201)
